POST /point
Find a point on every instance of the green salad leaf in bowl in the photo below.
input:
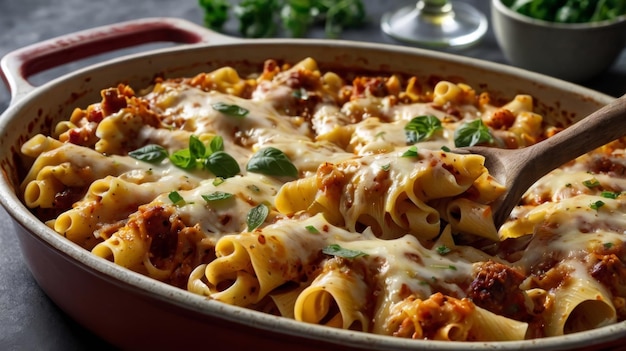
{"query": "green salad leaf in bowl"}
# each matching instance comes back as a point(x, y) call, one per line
point(569, 11)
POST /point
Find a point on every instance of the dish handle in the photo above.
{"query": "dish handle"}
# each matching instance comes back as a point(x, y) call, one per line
point(17, 66)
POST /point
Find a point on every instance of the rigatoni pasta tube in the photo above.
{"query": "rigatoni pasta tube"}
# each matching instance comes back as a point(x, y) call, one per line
point(441, 317)
point(337, 298)
point(251, 264)
point(580, 304)
point(386, 192)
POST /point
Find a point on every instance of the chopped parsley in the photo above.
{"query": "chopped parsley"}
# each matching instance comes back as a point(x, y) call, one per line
point(410, 152)
point(443, 266)
point(610, 194)
point(596, 205)
point(591, 183)
point(176, 198)
point(217, 196)
point(443, 250)
point(312, 229)
point(337, 250)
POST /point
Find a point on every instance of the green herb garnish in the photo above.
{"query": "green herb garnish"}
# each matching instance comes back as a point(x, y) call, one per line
point(591, 183)
point(411, 152)
point(337, 250)
point(151, 153)
point(472, 133)
point(256, 216)
point(230, 109)
point(176, 198)
point(222, 164)
point(610, 194)
point(183, 159)
point(217, 196)
point(211, 157)
point(273, 162)
point(596, 205)
point(312, 229)
point(443, 266)
point(443, 250)
point(421, 128)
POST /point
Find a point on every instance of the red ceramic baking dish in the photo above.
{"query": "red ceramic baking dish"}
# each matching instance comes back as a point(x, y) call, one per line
point(135, 312)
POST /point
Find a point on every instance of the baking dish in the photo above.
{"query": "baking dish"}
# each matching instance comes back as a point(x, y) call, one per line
point(132, 311)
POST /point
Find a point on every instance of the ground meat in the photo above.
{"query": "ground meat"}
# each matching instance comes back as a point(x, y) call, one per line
point(611, 272)
point(496, 288)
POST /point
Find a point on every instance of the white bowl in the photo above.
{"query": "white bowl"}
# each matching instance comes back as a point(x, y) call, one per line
point(570, 51)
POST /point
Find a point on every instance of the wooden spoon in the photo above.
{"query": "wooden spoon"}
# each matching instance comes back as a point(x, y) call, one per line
point(518, 169)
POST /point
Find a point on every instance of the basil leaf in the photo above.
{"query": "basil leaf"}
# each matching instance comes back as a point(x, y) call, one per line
point(217, 196)
point(273, 162)
point(336, 250)
point(472, 133)
point(230, 110)
point(151, 153)
point(421, 128)
point(222, 164)
point(411, 152)
point(256, 216)
point(176, 199)
point(182, 158)
point(216, 144)
point(196, 147)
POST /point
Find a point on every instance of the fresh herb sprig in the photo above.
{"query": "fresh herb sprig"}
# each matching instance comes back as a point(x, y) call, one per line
point(263, 18)
point(211, 157)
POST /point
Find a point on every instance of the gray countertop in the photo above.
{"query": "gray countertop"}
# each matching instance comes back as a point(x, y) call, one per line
point(28, 319)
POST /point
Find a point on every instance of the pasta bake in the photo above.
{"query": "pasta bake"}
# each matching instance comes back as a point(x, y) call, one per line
point(336, 199)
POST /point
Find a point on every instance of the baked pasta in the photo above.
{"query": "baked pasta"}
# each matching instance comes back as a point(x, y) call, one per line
point(335, 199)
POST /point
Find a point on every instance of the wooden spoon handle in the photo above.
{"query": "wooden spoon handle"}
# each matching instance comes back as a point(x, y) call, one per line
point(597, 129)
point(519, 169)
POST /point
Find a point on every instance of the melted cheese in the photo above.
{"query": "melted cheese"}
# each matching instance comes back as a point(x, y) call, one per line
point(355, 188)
